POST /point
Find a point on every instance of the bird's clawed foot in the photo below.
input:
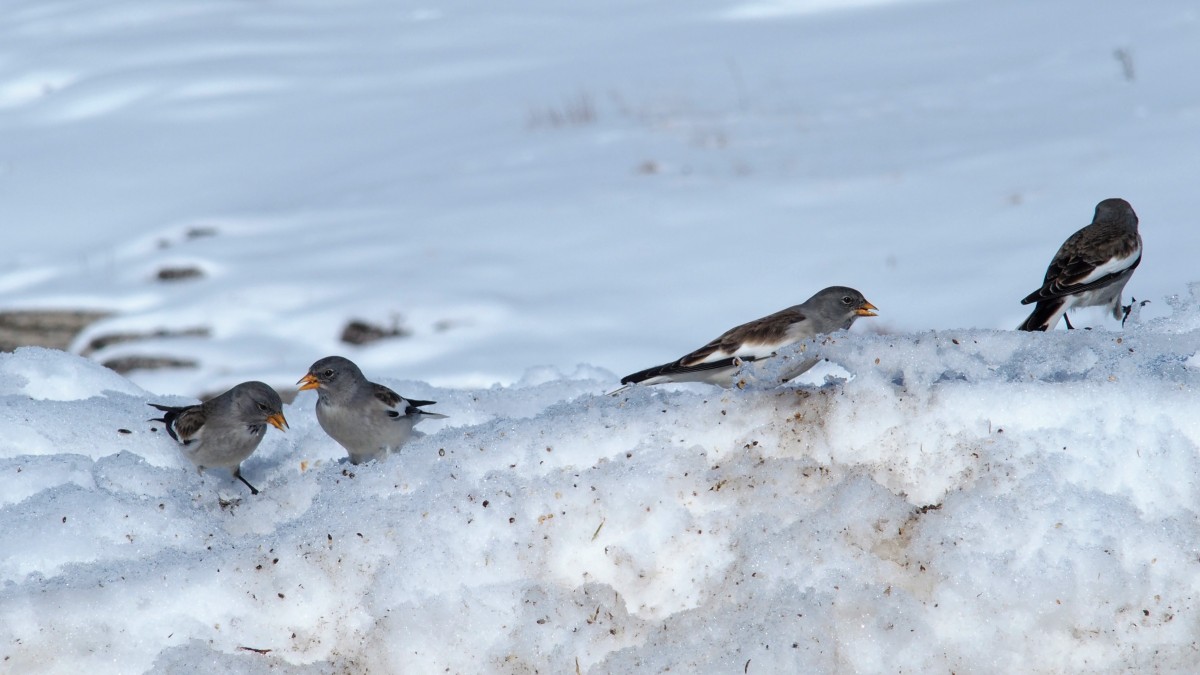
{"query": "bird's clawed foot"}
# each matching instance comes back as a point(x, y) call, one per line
point(1127, 309)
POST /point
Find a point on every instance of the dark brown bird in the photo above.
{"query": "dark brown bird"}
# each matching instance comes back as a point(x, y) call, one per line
point(1090, 269)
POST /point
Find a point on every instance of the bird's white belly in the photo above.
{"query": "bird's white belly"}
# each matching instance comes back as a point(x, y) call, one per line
point(363, 433)
point(222, 449)
point(1109, 295)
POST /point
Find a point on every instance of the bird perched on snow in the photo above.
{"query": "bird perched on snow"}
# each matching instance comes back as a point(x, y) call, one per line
point(1090, 269)
point(224, 431)
point(367, 419)
point(832, 309)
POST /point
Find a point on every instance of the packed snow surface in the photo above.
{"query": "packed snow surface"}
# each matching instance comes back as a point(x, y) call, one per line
point(967, 500)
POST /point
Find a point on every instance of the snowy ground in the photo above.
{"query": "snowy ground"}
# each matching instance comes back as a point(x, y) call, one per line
point(528, 188)
point(970, 501)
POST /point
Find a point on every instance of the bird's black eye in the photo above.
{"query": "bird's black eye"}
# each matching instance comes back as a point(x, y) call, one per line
point(847, 300)
point(262, 407)
point(329, 374)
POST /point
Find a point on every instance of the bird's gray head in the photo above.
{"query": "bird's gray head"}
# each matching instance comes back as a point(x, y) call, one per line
point(332, 374)
point(841, 304)
point(255, 403)
point(1116, 210)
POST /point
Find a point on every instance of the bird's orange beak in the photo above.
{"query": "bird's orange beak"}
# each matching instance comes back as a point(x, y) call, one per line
point(865, 309)
point(278, 421)
point(309, 381)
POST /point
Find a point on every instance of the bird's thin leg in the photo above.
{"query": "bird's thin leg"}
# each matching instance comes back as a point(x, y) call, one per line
point(1127, 309)
point(237, 473)
point(1068, 320)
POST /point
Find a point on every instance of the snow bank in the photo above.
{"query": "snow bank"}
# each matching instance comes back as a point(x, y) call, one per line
point(973, 500)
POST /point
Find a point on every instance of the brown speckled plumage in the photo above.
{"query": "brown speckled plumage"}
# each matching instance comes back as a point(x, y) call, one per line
point(1112, 244)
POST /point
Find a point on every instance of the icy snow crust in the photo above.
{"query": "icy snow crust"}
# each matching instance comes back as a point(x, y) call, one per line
point(973, 500)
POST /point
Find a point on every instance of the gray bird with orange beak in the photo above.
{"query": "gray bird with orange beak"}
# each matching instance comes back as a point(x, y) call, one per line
point(831, 309)
point(367, 419)
point(222, 432)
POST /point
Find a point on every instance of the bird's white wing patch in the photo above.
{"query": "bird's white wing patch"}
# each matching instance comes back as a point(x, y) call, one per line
point(744, 351)
point(1112, 266)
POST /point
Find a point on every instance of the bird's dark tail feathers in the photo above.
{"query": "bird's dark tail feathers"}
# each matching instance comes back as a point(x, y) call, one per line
point(168, 420)
point(1044, 316)
point(414, 408)
point(676, 368)
point(643, 375)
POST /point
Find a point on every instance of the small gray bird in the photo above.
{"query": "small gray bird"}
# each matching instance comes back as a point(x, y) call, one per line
point(832, 309)
point(1090, 269)
point(367, 419)
point(224, 431)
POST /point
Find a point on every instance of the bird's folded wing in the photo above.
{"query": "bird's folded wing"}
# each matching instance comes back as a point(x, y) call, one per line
point(1080, 276)
point(1111, 267)
point(717, 364)
point(188, 423)
point(679, 368)
point(386, 396)
point(192, 418)
point(400, 406)
point(754, 340)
